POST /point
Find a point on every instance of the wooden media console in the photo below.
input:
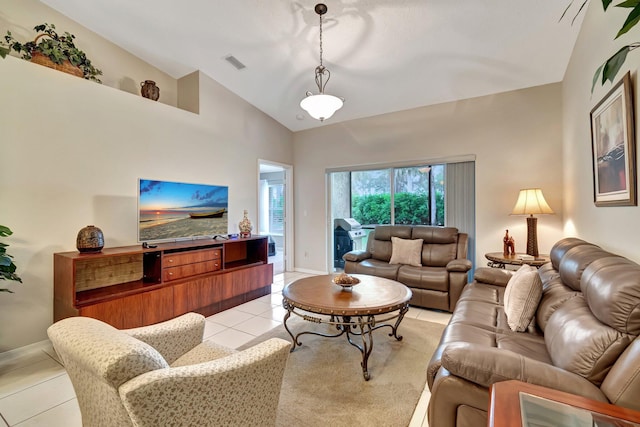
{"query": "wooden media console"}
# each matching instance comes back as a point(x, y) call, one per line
point(131, 286)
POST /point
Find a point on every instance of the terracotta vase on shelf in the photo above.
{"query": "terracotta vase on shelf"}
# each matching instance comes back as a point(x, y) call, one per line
point(150, 90)
point(245, 226)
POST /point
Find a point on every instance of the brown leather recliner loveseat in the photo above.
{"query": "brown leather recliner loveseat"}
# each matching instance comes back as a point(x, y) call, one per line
point(442, 274)
point(585, 342)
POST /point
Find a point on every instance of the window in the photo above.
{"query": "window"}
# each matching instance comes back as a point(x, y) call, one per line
point(366, 196)
point(276, 208)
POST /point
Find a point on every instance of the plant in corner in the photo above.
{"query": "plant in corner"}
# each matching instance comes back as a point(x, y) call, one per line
point(50, 46)
point(7, 267)
point(611, 66)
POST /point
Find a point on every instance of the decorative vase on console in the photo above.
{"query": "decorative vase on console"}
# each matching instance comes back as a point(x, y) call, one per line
point(90, 239)
point(150, 90)
point(245, 226)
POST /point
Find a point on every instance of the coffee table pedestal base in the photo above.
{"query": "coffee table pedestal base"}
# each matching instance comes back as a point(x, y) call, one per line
point(352, 327)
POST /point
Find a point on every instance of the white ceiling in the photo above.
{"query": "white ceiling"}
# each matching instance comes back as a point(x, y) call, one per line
point(384, 55)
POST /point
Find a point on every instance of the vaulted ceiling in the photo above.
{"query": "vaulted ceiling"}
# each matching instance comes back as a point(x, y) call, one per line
point(384, 55)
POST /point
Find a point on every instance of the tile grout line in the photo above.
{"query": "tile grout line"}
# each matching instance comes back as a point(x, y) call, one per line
point(40, 413)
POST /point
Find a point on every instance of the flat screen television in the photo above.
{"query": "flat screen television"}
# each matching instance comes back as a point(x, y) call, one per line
point(179, 211)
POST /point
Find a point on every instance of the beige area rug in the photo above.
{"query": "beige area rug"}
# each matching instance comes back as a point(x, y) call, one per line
point(323, 383)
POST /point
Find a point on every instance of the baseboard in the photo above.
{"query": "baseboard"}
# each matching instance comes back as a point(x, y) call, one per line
point(307, 271)
point(24, 351)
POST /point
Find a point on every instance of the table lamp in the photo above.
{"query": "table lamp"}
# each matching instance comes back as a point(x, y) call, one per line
point(530, 202)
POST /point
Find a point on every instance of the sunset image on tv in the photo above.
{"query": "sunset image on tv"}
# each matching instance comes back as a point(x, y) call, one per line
point(176, 210)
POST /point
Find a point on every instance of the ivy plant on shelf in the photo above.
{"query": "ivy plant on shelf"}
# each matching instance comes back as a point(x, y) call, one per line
point(58, 49)
point(7, 266)
point(609, 69)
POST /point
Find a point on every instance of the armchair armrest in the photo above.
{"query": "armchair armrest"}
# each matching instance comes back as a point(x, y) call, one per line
point(240, 389)
point(487, 365)
point(174, 337)
point(459, 265)
point(356, 256)
point(492, 276)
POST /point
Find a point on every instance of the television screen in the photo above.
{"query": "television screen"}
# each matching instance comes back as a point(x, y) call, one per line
point(176, 210)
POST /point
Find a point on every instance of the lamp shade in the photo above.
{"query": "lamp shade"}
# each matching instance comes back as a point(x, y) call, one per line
point(321, 106)
point(531, 202)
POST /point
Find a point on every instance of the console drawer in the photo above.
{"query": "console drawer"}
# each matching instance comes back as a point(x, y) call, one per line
point(181, 271)
point(191, 257)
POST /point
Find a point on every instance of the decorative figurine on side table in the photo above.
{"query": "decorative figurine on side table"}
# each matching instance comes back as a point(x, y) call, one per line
point(509, 246)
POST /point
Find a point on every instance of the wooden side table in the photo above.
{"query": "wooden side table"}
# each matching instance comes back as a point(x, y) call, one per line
point(499, 260)
point(505, 406)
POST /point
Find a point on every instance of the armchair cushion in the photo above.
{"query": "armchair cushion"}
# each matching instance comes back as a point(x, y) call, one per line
point(174, 337)
point(406, 251)
point(203, 352)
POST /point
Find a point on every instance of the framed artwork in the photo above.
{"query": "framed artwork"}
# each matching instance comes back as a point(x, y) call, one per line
point(613, 147)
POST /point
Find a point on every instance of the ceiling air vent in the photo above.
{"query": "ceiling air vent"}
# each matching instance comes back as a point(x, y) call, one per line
point(234, 61)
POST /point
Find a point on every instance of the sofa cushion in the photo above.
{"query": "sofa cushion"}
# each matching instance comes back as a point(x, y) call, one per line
point(562, 246)
point(424, 277)
point(611, 287)
point(576, 260)
point(521, 298)
point(580, 343)
point(406, 251)
point(437, 235)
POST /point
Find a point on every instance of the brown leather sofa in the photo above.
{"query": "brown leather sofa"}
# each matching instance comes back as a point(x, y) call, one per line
point(585, 341)
point(438, 282)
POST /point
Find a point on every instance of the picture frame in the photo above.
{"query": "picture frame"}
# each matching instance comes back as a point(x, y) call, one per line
point(613, 147)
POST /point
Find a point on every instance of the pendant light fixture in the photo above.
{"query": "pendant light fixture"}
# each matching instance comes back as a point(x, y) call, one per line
point(321, 106)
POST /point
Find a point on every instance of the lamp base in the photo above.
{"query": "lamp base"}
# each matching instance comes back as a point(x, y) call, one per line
point(532, 236)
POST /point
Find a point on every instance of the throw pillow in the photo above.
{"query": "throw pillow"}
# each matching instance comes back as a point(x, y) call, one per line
point(406, 251)
point(521, 298)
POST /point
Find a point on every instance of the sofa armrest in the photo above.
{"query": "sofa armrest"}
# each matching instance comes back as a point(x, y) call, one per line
point(459, 265)
point(174, 337)
point(356, 256)
point(492, 276)
point(487, 365)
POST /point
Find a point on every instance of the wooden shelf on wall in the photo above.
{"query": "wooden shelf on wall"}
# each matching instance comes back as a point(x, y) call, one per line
point(131, 286)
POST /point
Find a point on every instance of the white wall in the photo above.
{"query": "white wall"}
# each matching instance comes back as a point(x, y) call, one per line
point(72, 151)
point(616, 229)
point(515, 136)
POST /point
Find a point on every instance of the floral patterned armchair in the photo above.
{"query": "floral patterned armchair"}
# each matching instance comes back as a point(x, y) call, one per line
point(164, 374)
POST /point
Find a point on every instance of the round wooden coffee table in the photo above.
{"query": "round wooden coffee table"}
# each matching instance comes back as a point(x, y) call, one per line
point(355, 311)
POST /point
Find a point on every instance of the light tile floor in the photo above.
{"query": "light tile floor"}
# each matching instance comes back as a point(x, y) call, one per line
point(35, 390)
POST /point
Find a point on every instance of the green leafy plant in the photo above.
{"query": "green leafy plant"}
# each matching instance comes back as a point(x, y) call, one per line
point(7, 267)
point(58, 48)
point(609, 69)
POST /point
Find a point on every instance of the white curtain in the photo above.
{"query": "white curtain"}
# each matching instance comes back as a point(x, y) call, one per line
point(460, 203)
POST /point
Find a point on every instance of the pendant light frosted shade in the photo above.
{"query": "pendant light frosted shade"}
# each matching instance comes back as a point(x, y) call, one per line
point(321, 106)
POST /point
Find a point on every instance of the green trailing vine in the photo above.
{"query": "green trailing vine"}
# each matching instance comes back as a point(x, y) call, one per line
point(58, 48)
point(609, 69)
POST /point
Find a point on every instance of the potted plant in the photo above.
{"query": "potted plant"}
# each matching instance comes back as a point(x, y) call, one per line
point(53, 50)
point(7, 267)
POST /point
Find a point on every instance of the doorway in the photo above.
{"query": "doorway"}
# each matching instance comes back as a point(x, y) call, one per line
point(274, 206)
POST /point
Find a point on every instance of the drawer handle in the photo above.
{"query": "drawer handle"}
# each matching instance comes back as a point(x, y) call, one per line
point(171, 273)
point(170, 260)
